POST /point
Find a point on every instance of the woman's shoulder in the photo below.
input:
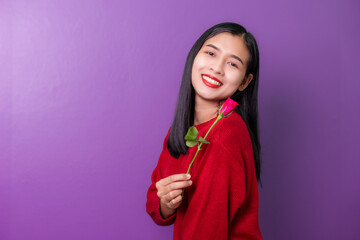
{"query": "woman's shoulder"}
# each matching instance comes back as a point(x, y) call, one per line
point(232, 132)
point(167, 136)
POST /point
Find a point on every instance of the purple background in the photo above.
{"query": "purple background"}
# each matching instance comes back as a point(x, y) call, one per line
point(88, 90)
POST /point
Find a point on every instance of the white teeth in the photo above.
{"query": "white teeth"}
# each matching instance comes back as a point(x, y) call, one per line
point(211, 81)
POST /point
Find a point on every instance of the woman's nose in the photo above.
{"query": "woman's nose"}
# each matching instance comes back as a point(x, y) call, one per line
point(217, 67)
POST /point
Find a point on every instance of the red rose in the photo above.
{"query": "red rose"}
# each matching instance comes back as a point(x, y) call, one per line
point(228, 106)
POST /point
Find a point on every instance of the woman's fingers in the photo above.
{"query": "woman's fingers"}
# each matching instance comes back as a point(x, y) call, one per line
point(173, 182)
point(172, 195)
point(173, 178)
point(175, 203)
point(178, 185)
point(170, 189)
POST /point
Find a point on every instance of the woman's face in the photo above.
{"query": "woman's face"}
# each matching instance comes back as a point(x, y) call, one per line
point(219, 67)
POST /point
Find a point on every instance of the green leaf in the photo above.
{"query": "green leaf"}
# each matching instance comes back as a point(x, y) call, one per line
point(202, 140)
point(191, 143)
point(192, 134)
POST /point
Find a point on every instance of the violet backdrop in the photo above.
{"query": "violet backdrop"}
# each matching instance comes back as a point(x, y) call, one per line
point(87, 94)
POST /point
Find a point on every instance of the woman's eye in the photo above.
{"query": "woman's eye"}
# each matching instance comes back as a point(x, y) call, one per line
point(233, 64)
point(210, 53)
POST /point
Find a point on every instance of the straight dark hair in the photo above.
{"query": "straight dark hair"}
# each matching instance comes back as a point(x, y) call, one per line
point(247, 99)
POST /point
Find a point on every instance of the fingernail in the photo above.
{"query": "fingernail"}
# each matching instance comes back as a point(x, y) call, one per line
point(188, 176)
point(190, 182)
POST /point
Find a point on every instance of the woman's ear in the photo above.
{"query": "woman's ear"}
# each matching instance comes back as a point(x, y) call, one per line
point(245, 82)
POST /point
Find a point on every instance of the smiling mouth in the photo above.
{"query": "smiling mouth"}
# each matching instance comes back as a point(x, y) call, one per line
point(211, 81)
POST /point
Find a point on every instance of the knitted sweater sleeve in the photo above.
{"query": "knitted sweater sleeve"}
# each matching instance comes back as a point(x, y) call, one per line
point(153, 201)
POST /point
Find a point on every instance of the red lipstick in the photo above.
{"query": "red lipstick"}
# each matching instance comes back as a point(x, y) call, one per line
point(210, 84)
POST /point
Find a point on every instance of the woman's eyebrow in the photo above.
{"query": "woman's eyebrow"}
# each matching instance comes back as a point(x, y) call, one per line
point(231, 55)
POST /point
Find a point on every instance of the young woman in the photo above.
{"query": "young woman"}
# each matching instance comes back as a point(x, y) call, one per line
point(221, 195)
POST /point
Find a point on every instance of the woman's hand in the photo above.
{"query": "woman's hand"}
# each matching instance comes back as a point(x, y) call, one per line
point(169, 192)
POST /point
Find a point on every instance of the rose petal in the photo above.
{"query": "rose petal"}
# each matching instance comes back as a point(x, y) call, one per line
point(228, 106)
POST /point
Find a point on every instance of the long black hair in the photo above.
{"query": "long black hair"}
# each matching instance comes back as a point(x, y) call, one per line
point(247, 99)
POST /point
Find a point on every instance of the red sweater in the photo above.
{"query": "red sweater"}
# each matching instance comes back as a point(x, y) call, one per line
point(223, 200)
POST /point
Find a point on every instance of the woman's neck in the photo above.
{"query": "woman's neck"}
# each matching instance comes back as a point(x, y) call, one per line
point(205, 110)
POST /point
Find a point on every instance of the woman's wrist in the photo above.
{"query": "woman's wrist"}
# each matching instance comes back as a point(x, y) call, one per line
point(166, 212)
